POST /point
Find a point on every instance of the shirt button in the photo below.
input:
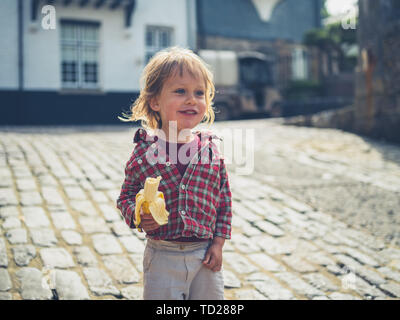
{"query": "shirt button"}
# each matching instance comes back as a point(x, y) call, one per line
point(153, 145)
point(183, 212)
point(168, 163)
point(140, 161)
point(183, 187)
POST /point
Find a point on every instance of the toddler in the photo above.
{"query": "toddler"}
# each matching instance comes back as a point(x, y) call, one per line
point(183, 258)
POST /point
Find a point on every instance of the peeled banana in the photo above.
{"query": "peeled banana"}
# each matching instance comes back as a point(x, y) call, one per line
point(152, 202)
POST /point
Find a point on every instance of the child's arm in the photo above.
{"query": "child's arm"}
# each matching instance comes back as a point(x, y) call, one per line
point(224, 210)
point(131, 186)
point(213, 258)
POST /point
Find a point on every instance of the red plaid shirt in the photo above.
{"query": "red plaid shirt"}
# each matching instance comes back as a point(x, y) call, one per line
point(199, 203)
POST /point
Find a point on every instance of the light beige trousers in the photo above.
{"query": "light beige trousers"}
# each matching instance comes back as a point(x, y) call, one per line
point(173, 271)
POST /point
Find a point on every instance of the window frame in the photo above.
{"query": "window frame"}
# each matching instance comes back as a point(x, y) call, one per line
point(158, 44)
point(79, 43)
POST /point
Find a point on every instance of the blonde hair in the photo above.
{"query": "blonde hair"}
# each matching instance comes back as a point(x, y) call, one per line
point(160, 67)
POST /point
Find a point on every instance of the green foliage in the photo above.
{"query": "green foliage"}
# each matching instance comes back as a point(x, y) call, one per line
point(318, 38)
point(340, 35)
point(330, 36)
point(299, 89)
point(333, 37)
point(324, 10)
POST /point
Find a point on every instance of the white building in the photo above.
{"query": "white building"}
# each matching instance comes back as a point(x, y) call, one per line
point(79, 61)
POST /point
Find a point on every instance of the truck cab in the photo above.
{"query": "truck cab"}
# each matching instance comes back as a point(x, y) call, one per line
point(244, 84)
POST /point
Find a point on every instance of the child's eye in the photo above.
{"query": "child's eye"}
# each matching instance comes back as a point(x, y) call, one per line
point(180, 91)
point(200, 93)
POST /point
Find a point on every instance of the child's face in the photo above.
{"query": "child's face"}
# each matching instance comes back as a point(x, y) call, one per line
point(179, 94)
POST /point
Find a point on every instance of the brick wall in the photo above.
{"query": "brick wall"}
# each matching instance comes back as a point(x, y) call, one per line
point(377, 103)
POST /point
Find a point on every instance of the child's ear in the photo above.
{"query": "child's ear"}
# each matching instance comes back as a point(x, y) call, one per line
point(154, 105)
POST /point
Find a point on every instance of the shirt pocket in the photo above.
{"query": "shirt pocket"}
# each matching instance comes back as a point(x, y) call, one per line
point(207, 186)
point(208, 171)
point(211, 175)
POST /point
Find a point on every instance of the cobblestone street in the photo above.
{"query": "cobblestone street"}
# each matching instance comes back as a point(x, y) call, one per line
point(318, 218)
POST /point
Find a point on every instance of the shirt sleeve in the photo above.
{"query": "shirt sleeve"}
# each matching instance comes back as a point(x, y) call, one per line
point(126, 201)
point(224, 210)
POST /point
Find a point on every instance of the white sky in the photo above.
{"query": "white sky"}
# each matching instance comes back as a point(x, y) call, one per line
point(337, 7)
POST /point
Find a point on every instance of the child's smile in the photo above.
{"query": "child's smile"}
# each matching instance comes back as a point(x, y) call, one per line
point(182, 99)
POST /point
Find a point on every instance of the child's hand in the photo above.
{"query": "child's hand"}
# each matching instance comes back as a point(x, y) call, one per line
point(147, 222)
point(213, 258)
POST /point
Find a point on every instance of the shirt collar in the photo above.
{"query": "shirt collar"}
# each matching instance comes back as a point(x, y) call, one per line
point(142, 135)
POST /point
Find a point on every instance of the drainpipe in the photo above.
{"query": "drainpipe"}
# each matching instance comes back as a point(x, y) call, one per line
point(20, 46)
point(318, 8)
point(191, 24)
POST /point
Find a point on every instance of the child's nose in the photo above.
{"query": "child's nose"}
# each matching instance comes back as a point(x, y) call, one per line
point(190, 98)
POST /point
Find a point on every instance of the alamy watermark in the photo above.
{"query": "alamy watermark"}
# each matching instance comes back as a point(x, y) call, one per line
point(49, 21)
point(235, 146)
point(349, 23)
point(349, 19)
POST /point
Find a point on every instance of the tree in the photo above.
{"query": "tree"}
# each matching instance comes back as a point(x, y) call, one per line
point(333, 40)
point(324, 10)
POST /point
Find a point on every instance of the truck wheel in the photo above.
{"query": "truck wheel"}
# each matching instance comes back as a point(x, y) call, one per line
point(223, 112)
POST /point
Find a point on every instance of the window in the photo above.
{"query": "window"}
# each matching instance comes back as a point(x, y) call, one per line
point(157, 38)
point(79, 55)
point(299, 64)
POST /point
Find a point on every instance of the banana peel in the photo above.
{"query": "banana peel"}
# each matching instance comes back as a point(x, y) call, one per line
point(152, 201)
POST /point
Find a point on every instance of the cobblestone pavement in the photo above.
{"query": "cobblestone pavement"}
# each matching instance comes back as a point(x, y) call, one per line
point(61, 236)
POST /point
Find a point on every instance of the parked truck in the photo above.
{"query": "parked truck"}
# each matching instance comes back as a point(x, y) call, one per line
point(244, 84)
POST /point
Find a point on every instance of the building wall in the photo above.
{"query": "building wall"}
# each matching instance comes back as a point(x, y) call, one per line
point(9, 44)
point(377, 103)
point(41, 53)
point(121, 61)
point(122, 50)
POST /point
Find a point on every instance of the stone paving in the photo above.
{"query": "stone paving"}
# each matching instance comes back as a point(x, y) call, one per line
point(61, 236)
